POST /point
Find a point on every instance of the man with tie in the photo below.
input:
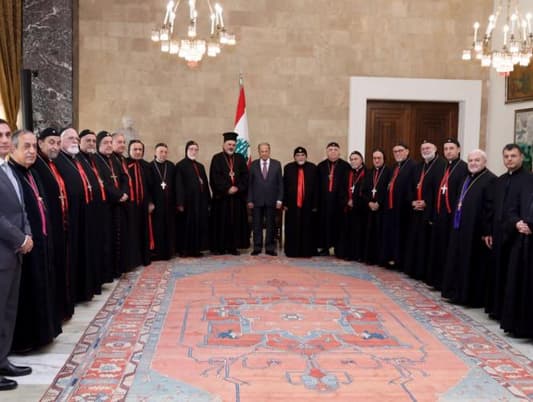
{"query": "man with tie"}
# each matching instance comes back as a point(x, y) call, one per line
point(15, 240)
point(265, 195)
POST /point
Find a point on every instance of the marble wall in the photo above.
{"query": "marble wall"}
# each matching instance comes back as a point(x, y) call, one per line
point(48, 51)
point(296, 57)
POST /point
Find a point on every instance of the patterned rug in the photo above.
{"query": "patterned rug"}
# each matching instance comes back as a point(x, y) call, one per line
point(262, 328)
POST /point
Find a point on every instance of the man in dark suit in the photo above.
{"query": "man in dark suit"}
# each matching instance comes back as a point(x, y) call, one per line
point(15, 240)
point(265, 192)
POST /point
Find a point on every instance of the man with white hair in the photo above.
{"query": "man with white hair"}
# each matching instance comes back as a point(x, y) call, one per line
point(464, 279)
point(79, 196)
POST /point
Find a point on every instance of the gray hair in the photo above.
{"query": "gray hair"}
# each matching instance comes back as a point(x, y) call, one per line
point(263, 143)
point(64, 132)
point(480, 152)
point(15, 136)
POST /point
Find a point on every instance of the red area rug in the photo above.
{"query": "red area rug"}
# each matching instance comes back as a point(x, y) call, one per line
point(230, 329)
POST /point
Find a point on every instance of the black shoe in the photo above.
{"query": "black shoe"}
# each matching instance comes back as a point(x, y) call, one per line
point(7, 384)
point(323, 252)
point(272, 253)
point(234, 252)
point(11, 370)
point(255, 252)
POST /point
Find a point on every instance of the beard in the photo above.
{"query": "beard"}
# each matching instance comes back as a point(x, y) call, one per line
point(73, 149)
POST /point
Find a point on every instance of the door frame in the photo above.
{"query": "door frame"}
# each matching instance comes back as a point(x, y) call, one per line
point(466, 92)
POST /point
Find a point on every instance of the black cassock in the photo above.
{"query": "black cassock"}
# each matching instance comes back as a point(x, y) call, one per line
point(353, 228)
point(164, 216)
point(375, 190)
point(300, 221)
point(451, 179)
point(506, 190)
point(229, 215)
point(464, 280)
point(99, 217)
point(517, 311)
point(138, 213)
point(115, 185)
point(37, 321)
point(77, 240)
point(397, 213)
point(332, 198)
point(56, 201)
point(192, 193)
point(424, 187)
point(95, 214)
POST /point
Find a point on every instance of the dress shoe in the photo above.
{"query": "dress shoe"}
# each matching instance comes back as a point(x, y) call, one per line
point(11, 370)
point(255, 252)
point(272, 253)
point(7, 384)
point(234, 252)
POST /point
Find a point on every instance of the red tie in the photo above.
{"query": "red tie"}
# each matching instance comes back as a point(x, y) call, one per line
point(391, 186)
point(40, 203)
point(301, 188)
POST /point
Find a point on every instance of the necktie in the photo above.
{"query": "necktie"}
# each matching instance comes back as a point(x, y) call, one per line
point(264, 171)
point(40, 203)
point(12, 179)
point(300, 194)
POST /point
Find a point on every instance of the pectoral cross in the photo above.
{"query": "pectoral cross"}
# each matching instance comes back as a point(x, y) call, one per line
point(113, 177)
point(352, 188)
point(374, 191)
point(459, 206)
point(163, 185)
point(90, 187)
point(443, 189)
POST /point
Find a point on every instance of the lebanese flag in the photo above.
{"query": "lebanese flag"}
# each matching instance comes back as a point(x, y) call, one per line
point(241, 127)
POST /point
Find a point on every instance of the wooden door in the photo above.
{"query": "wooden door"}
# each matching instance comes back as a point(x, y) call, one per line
point(391, 122)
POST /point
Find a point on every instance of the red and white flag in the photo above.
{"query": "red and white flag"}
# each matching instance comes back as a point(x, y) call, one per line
point(241, 126)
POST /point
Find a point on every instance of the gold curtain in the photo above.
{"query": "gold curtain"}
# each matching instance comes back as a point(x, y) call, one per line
point(10, 57)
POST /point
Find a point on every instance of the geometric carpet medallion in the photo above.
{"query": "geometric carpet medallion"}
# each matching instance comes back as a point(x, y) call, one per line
point(260, 329)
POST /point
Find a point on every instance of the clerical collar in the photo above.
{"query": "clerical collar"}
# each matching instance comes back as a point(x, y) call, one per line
point(473, 175)
point(451, 162)
point(516, 171)
point(158, 161)
point(431, 160)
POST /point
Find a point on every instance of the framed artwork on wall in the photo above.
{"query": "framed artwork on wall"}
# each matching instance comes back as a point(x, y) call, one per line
point(519, 84)
point(523, 134)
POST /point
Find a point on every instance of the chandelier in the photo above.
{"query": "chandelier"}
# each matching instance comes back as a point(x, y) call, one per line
point(517, 39)
point(193, 48)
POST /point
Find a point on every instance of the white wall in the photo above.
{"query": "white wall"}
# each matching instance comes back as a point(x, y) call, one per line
point(500, 116)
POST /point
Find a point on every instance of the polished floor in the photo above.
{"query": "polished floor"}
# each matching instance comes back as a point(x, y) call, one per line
point(47, 362)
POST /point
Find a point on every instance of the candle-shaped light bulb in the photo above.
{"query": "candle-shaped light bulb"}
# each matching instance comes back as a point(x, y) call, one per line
point(490, 25)
point(213, 24)
point(528, 19)
point(505, 32)
point(476, 27)
point(514, 17)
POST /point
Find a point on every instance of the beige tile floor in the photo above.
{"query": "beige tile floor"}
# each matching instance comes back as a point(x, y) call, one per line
point(47, 362)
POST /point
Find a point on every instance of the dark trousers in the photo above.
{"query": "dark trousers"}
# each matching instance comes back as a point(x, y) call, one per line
point(9, 297)
point(258, 217)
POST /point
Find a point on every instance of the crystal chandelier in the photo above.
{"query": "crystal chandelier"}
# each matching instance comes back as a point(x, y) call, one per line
point(192, 48)
point(517, 40)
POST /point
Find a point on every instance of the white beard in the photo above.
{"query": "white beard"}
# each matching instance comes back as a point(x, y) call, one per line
point(73, 150)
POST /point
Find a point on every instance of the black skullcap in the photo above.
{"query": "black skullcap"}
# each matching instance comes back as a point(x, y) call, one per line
point(100, 136)
point(333, 144)
point(188, 144)
point(230, 136)
point(452, 141)
point(48, 132)
point(299, 150)
point(85, 132)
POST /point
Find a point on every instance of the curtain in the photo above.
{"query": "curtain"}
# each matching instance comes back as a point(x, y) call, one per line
point(10, 57)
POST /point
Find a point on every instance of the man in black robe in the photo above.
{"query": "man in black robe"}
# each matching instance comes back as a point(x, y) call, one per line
point(55, 194)
point(130, 225)
point(517, 311)
point(300, 199)
point(116, 189)
point(37, 320)
point(99, 213)
point(332, 198)
point(164, 198)
point(451, 179)
point(228, 177)
point(79, 196)
point(193, 199)
point(398, 208)
point(142, 206)
point(500, 231)
point(353, 229)
point(465, 275)
point(375, 195)
point(423, 192)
